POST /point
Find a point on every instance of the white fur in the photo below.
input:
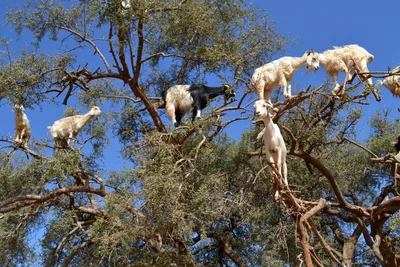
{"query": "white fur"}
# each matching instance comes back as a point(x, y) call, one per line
point(345, 59)
point(22, 125)
point(280, 73)
point(126, 4)
point(275, 148)
point(178, 96)
point(392, 82)
point(68, 128)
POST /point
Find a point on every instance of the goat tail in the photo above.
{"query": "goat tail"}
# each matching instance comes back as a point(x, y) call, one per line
point(395, 91)
point(370, 58)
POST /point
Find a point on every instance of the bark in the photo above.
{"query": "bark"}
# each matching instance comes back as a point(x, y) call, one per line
point(350, 246)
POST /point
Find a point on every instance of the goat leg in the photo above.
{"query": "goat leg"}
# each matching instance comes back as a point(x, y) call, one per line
point(351, 79)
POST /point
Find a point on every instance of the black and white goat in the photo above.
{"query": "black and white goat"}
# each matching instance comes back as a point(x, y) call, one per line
point(179, 99)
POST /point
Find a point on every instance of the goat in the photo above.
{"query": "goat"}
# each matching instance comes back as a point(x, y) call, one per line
point(68, 128)
point(275, 148)
point(280, 73)
point(348, 59)
point(179, 99)
point(22, 126)
point(392, 82)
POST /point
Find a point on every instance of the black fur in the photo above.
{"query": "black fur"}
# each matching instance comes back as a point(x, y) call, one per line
point(397, 145)
point(201, 94)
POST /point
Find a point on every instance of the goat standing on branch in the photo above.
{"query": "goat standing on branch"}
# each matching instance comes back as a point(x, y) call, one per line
point(275, 148)
point(68, 128)
point(348, 59)
point(280, 73)
point(179, 99)
point(391, 82)
point(22, 126)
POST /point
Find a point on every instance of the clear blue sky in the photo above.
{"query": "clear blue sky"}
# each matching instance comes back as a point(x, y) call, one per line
point(316, 24)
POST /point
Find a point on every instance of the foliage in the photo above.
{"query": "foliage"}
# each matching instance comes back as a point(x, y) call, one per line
point(191, 195)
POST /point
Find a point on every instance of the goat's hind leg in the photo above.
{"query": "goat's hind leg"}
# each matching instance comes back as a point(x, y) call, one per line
point(363, 68)
point(284, 169)
point(19, 136)
point(178, 116)
point(274, 175)
point(171, 112)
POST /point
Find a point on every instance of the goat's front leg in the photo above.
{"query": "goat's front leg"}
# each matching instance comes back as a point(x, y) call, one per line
point(196, 114)
point(267, 96)
point(260, 135)
point(260, 88)
point(72, 137)
point(285, 87)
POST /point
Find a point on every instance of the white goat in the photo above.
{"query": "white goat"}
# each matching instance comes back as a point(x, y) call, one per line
point(22, 126)
point(68, 128)
point(275, 148)
point(280, 73)
point(347, 59)
point(392, 82)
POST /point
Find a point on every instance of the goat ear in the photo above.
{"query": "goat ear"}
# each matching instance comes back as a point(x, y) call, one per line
point(308, 52)
point(309, 60)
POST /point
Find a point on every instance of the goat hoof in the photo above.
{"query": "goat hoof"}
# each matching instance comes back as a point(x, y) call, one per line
point(177, 124)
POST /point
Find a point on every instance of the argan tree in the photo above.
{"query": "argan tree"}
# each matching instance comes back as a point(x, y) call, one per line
point(191, 195)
